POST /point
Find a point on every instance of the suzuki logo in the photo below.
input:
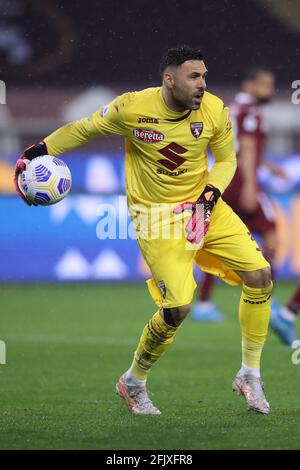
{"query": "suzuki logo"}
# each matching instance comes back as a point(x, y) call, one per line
point(171, 152)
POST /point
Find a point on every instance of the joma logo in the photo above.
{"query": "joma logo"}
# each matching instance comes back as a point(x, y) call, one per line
point(148, 120)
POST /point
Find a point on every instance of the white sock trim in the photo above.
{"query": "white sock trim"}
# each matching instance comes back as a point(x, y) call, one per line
point(249, 371)
point(130, 379)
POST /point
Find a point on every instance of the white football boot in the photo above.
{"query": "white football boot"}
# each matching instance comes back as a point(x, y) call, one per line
point(136, 398)
point(252, 388)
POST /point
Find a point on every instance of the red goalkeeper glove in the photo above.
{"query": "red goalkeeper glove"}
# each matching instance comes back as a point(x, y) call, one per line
point(29, 154)
point(201, 209)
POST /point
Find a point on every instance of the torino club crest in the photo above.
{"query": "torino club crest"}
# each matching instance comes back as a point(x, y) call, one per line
point(196, 129)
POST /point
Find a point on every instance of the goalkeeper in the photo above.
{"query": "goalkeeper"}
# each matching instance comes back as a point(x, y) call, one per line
point(167, 132)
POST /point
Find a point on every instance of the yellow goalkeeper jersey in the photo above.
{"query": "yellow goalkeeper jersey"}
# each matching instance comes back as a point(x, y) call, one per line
point(166, 151)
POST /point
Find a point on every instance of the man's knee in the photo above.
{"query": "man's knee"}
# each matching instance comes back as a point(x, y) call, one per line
point(259, 278)
point(174, 316)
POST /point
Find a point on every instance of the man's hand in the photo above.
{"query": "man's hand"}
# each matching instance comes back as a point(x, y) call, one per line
point(29, 154)
point(201, 209)
point(276, 170)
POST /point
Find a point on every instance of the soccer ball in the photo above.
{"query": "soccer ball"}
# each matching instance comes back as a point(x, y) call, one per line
point(45, 181)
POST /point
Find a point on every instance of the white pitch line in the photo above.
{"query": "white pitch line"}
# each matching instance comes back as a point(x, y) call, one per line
point(68, 339)
point(125, 342)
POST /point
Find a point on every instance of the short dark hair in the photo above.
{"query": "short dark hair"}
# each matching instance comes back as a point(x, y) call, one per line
point(177, 55)
point(253, 72)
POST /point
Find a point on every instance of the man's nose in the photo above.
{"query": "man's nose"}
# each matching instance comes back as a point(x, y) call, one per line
point(201, 83)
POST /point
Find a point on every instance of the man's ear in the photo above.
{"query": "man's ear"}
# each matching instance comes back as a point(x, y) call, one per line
point(169, 80)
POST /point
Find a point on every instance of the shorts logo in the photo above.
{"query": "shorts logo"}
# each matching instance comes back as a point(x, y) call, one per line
point(162, 288)
point(148, 120)
point(196, 129)
point(148, 135)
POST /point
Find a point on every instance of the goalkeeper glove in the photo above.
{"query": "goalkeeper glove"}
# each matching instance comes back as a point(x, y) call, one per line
point(198, 224)
point(29, 154)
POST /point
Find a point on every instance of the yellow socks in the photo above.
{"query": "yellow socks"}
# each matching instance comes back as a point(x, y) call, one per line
point(254, 315)
point(155, 339)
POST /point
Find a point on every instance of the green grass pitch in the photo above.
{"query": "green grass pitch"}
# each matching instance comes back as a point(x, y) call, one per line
point(68, 344)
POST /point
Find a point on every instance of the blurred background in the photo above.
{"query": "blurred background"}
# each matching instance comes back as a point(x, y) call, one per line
point(60, 61)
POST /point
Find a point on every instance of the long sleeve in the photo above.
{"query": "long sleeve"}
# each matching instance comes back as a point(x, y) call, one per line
point(222, 147)
point(107, 120)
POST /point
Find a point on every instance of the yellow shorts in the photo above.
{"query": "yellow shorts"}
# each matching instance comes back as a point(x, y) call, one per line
point(228, 247)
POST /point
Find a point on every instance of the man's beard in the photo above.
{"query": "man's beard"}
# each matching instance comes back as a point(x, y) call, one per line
point(182, 104)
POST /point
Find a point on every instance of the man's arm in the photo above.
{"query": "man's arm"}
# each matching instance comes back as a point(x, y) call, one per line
point(107, 120)
point(248, 168)
point(222, 147)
